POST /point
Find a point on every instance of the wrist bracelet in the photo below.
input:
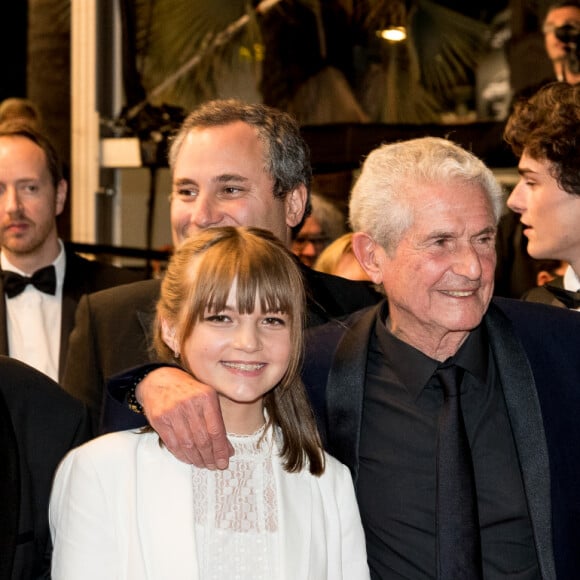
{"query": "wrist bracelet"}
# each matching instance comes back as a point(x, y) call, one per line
point(132, 402)
point(131, 398)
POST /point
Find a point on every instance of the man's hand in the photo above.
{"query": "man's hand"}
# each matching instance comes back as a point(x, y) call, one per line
point(187, 416)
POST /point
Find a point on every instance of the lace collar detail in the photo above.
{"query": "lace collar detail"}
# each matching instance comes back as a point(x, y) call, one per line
point(258, 443)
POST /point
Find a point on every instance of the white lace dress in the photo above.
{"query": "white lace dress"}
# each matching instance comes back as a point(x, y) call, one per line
point(236, 513)
point(123, 508)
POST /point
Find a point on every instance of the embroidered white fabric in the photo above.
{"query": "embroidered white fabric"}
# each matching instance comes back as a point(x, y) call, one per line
point(236, 513)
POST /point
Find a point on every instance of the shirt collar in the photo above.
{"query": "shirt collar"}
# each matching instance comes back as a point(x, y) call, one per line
point(571, 280)
point(59, 265)
point(418, 368)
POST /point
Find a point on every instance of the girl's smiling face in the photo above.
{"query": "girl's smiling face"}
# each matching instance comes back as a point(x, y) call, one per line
point(241, 355)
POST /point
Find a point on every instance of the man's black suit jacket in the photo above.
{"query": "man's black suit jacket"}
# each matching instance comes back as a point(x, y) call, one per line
point(113, 331)
point(81, 277)
point(537, 353)
point(543, 296)
point(39, 423)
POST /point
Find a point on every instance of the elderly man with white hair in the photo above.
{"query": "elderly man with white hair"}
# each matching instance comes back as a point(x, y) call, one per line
point(455, 412)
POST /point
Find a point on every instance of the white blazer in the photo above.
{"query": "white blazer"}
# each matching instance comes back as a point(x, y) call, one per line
point(122, 508)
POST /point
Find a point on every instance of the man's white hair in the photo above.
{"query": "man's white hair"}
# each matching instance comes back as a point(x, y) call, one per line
point(379, 203)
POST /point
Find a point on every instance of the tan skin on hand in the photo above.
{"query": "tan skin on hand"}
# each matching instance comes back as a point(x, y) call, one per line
point(187, 416)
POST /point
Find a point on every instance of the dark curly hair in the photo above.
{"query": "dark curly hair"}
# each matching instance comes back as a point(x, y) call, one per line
point(547, 127)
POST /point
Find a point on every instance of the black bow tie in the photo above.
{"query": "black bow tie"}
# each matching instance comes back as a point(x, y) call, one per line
point(569, 298)
point(43, 280)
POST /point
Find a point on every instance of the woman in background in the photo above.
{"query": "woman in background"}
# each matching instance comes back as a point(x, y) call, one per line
point(338, 258)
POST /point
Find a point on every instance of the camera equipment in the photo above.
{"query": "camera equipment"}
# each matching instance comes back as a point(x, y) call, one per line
point(570, 36)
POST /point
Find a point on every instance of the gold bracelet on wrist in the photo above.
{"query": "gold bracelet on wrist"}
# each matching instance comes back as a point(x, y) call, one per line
point(131, 399)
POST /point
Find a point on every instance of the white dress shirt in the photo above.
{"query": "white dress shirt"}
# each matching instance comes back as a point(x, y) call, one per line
point(571, 282)
point(33, 321)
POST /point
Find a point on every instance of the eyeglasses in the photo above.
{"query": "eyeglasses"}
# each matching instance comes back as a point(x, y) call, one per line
point(319, 242)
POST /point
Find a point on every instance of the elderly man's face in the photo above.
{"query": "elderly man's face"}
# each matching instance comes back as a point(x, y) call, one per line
point(439, 279)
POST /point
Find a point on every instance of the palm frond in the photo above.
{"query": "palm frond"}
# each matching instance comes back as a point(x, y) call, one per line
point(191, 45)
point(448, 46)
point(193, 50)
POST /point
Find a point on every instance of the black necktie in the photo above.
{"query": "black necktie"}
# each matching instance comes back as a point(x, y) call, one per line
point(43, 280)
point(458, 543)
point(568, 298)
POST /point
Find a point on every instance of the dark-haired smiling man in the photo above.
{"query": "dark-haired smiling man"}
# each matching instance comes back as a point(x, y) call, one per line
point(232, 164)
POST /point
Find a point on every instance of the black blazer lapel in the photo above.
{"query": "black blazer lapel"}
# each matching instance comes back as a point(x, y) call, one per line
point(345, 390)
point(3, 322)
point(67, 321)
point(525, 416)
point(9, 492)
point(74, 286)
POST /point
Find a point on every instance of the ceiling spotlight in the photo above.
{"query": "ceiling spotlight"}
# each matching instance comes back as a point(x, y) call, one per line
point(393, 33)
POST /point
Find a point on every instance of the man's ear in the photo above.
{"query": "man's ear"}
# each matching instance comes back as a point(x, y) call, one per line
point(61, 191)
point(370, 254)
point(295, 202)
point(168, 335)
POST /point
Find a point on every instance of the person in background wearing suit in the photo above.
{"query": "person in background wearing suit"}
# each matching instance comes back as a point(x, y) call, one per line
point(232, 164)
point(41, 281)
point(39, 424)
point(544, 132)
point(324, 224)
point(561, 30)
point(231, 312)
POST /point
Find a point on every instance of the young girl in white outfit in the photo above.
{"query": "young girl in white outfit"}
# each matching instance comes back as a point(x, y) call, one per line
point(231, 312)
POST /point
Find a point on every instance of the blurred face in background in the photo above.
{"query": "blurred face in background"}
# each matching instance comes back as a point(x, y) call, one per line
point(556, 18)
point(310, 241)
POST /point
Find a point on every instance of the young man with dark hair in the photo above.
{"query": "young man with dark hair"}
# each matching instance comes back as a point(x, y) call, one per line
point(232, 164)
point(544, 132)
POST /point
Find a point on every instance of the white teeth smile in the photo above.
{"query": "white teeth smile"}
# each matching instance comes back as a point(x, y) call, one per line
point(458, 294)
point(244, 366)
